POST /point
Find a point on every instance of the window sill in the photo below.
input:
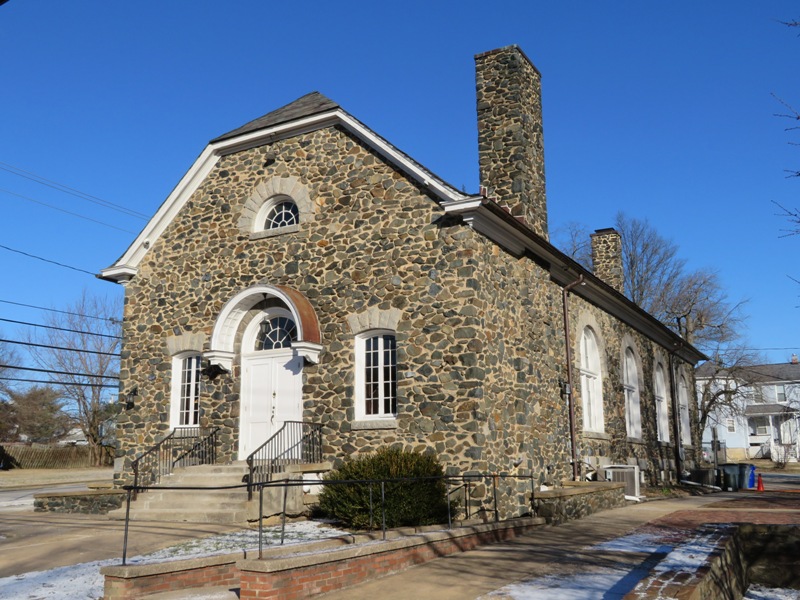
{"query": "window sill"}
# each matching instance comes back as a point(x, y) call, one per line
point(663, 444)
point(635, 440)
point(596, 435)
point(268, 233)
point(374, 424)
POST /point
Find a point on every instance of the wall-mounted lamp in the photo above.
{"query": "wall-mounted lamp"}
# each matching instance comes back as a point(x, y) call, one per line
point(128, 399)
point(213, 371)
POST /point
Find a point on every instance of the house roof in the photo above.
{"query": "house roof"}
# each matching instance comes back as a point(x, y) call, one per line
point(753, 410)
point(315, 111)
point(305, 106)
point(768, 373)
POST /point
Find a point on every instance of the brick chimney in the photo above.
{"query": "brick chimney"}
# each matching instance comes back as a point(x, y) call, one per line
point(510, 140)
point(607, 257)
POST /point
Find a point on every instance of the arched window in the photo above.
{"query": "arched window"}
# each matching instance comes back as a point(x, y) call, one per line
point(185, 407)
point(662, 414)
point(277, 213)
point(276, 332)
point(633, 414)
point(376, 375)
point(683, 403)
point(591, 382)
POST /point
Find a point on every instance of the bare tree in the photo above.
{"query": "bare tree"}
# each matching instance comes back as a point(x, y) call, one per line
point(82, 354)
point(726, 384)
point(692, 303)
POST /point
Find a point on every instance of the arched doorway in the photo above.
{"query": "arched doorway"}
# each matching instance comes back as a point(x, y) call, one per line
point(273, 331)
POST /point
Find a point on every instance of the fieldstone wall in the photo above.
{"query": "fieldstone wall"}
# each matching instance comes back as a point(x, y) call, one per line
point(510, 134)
point(480, 338)
point(94, 502)
point(607, 258)
point(576, 501)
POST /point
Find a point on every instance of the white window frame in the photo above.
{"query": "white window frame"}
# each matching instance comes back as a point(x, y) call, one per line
point(683, 405)
point(361, 376)
point(177, 393)
point(662, 411)
point(259, 223)
point(591, 382)
point(633, 413)
point(780, 393)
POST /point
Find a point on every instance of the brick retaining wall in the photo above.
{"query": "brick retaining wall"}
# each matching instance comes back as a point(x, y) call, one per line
point(324, 566)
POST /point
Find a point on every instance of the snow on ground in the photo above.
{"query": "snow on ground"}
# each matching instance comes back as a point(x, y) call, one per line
point(611, 583)
point(84, 582)
point(759, 592)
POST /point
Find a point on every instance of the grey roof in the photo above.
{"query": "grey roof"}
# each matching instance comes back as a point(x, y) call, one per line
point(775, 372)
point(768, 409)
point(305, 106)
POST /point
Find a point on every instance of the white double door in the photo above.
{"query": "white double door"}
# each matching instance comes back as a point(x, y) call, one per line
point(272, 393)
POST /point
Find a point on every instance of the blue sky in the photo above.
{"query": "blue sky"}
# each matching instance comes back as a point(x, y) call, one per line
point(660, 109)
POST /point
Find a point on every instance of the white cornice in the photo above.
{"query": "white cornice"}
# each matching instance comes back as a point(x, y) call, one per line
point(127, 266)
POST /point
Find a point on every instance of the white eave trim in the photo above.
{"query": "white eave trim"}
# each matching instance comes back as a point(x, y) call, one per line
point(127, 266)
point(482, 220)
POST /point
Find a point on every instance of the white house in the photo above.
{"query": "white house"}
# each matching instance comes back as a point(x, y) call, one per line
point(762, 419)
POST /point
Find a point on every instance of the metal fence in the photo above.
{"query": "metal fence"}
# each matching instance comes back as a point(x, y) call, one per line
point(474, 496)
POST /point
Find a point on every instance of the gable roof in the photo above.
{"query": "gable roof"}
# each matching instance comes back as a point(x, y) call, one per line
point(305, 106)
point(315, 111)
point(769, 373)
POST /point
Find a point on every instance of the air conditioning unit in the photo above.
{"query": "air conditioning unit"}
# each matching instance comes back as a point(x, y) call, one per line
point(627, 474)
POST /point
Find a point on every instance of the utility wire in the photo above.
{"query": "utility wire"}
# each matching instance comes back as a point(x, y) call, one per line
point(63, 312)
point(47, 260)
point(68, 190)
point(29, 199)
point(54, 372)
point(50, 347)
point(115, 337)
point(94, 385)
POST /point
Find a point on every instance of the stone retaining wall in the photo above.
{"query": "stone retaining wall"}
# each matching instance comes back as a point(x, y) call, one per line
point(94, 502)
point(577, 500)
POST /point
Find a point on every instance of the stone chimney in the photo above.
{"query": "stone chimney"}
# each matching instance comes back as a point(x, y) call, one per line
point(510, 140)
point(607, 257)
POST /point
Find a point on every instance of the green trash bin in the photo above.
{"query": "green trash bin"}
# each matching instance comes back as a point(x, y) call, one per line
point(729, 477)
point(744, 470)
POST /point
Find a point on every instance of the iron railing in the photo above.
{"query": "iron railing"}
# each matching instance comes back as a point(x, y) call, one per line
point(296, 442)
point(183, 447)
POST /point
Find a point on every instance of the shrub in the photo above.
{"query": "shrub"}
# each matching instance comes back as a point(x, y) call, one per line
point(407, 502)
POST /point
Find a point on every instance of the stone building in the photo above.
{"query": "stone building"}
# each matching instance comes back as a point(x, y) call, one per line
point(306, 269)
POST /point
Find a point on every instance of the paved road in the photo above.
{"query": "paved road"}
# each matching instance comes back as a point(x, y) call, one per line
point(781, 481)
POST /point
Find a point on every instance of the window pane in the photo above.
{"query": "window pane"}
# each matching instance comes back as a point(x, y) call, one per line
point(275, 333)
point(282, 214)
point(380, 375)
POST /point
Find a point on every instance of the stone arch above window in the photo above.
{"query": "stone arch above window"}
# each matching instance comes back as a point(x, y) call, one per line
point(187, 342)
point(273, 195)
point(374, 318)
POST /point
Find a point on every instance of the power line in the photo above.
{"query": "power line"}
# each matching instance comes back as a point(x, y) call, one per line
point(116, 337)
point(51, 347)
point(29, 199)
point(54, 372)
point(63, 312)
point(47, 260)
point(94, 385)
point(68, 190)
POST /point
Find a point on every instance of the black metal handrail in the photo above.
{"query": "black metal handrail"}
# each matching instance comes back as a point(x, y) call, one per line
point(296, 442)
point(183, 447)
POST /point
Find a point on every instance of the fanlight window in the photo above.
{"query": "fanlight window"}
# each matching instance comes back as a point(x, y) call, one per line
point(282, 214)
point(275, 333)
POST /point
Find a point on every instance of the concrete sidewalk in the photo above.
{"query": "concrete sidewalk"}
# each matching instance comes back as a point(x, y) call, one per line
point(560, 550)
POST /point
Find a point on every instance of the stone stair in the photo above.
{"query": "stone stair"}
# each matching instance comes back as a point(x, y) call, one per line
point(227, 506)
point(194, 505)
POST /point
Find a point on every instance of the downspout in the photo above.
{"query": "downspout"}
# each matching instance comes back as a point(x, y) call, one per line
point(569, 387)
point(676, 416)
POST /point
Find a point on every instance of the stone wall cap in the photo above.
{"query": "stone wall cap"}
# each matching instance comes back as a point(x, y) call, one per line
point(510, 47)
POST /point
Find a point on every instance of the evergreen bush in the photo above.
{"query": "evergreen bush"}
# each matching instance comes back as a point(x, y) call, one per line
point(407, 502)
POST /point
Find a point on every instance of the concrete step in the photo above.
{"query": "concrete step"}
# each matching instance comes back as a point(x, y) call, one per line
point(208, 593)
point(183, 515)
